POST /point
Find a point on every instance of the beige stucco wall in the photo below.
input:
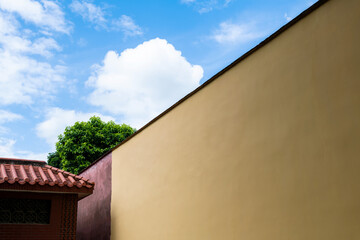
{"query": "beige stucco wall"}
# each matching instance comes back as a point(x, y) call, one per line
point(270, 150)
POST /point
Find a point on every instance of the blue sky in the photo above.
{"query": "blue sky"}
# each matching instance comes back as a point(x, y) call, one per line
point(127, 61)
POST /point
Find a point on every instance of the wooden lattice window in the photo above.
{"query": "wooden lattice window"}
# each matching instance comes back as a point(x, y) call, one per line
point(24, 211)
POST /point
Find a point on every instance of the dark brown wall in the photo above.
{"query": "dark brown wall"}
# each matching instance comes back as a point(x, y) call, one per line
point(94, 220)
point(62, 219)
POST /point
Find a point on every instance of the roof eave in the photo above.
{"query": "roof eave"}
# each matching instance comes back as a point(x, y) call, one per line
point(16, 187)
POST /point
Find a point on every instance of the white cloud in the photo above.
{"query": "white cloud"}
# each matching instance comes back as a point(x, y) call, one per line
point(95, 14)
point(127, 25)
point(45, 14)
point(58, 119)
point(236, 33)
point(8, 24)
point(41, 46)
point(6, 147)
point(142, 82)
point(24, 77)
point(7, 150)
point(89, 12)
point(31, 155)
point(6, 116)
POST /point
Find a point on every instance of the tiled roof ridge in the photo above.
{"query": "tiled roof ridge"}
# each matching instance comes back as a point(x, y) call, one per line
point(31, 172)
point(22, 161)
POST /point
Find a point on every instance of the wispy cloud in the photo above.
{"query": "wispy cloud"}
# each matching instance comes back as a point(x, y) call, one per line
point(82, 42)
point(127, 25)
point(287, 17)
point(204, 6)
point(227, 2)
point(6, 116)
point(7, 149)
point(7, 145)
point(97, 16)
point(19, 44)
point(89, 12)
point(187, 1)
point(231, 33)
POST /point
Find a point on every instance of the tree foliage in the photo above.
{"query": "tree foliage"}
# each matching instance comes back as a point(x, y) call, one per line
point(54, 159)
point(84, 142)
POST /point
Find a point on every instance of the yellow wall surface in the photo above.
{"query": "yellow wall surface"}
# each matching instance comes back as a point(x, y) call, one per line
point(269, 150)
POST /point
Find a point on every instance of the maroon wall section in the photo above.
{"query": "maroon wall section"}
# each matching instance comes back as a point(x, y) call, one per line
point(94, 220)
point(62, 219)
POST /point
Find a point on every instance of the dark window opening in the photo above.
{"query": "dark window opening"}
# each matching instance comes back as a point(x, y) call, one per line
point(24, 211)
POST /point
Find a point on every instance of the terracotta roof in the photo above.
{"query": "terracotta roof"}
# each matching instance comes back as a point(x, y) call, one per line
point(38, 173)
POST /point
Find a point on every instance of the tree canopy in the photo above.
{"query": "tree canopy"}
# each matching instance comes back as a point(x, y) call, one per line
point(84, 142)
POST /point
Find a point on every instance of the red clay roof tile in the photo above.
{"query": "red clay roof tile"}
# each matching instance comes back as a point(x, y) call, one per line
point(38, 172)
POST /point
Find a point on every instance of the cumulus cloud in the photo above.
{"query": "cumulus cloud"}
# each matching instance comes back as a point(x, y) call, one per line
point(89, 12)
point(127, 25)
point(236, 33)
point(24, 77)
point(140, 83)
point(45, 14)
point(58, 119)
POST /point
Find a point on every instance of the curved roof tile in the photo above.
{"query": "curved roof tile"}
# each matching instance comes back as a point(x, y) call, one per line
point(34, 172)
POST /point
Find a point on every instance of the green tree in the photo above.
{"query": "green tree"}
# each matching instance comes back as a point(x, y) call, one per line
point(84, 142)
point(54, 159)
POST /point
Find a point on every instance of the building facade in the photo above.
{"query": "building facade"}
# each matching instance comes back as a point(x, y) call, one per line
point(38, 201)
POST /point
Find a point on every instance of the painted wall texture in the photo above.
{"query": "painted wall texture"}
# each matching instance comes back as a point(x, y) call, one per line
point(269, 150)
point(94, 211)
